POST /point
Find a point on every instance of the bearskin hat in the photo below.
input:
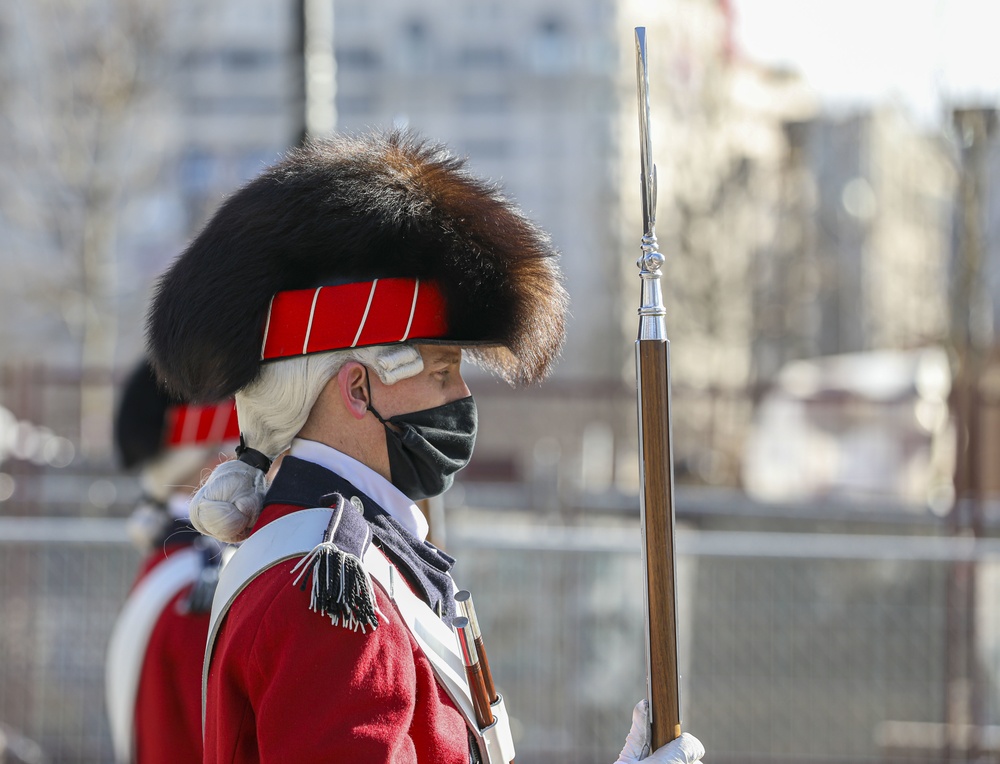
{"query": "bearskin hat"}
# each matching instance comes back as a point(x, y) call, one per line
point(357, 209)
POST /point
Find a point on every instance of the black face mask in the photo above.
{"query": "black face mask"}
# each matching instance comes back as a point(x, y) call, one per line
point(430, 446)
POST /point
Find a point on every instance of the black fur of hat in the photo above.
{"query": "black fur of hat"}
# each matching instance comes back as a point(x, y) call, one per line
point(140, 421)
point(355, 209)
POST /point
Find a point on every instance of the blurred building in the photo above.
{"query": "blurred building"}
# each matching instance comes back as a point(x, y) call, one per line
point(125, 128)
point(234, 102)
point(125, 125)
point(528, 91)
point(861, 259)
point(541, 96)
point(858, 272)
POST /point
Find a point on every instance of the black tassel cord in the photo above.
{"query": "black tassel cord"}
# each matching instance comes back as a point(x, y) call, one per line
point(341, 587)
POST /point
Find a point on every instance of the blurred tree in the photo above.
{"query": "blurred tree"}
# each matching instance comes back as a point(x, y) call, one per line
point(79, 106)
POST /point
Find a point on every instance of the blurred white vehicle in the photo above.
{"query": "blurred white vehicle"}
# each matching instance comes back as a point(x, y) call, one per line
point(872, 425)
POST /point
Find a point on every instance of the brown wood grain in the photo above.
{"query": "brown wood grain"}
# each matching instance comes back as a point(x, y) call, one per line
point(480, 703)
point(491, 690)
point(658, 519)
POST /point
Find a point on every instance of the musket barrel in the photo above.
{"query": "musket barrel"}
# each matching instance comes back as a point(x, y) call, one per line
point(655, 449)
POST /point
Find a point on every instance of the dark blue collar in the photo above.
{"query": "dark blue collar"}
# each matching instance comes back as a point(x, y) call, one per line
point(177, 531)
point(300, 483)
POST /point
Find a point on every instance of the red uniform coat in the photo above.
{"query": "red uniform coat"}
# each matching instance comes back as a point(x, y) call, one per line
point(286, 686)
point(168, 700)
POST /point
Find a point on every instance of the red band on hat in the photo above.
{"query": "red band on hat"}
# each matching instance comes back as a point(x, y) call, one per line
point(378, 312)
point(190, 425)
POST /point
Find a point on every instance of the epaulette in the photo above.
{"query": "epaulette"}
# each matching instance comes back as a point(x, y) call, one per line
point(340, 587)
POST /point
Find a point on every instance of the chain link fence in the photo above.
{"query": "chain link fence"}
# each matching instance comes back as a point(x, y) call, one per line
point(61, 585)
point(795, 647)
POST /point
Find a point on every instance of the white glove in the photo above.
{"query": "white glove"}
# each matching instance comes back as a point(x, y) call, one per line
point(686, 749)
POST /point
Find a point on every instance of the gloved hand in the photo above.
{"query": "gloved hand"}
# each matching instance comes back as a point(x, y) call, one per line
point(686, 749)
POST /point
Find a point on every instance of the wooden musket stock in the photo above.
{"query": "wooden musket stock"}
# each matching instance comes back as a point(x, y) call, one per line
point(658, 535)
point(655, 451)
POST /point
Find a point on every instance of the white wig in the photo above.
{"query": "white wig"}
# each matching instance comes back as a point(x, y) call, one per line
point(272, 410)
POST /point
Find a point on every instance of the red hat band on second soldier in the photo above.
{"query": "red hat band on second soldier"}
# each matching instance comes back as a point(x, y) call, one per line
point(362, 314)
point(191, 425)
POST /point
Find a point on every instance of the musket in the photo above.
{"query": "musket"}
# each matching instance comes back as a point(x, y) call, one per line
point(656, 459)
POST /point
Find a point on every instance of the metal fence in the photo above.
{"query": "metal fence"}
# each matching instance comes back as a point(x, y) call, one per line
point(61, 585)
point(795, 646)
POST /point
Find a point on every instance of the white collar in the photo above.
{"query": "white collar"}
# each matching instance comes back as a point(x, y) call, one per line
point(399, 506)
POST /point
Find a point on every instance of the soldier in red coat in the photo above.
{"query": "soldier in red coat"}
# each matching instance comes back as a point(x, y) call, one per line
point(336, 296)
point(154, 657)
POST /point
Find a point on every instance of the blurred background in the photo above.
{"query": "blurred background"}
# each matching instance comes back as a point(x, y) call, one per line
point(829, 214)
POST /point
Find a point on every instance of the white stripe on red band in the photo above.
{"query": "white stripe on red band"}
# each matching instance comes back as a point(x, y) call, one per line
point(413, 309)
point(193, 425)
point(267, 327)
point(192, 418)
point(309, 326)
point(364, 318)
point(298, 323)
point(220, 421)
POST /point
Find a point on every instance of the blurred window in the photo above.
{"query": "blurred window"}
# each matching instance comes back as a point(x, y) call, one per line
point(483, 58)
point(552, 51)
point(416, 48)
point(415, 31)
point(246, 58)
point(357, 57)
point(197, 170)
point(362, 103)
point(236, 104)
point(483, 103)
point(231, 58)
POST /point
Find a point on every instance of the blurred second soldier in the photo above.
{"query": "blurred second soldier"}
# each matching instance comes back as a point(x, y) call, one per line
point(153, 678)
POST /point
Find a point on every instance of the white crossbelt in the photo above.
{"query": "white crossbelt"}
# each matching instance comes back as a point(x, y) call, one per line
point(130, 638)
point(295, 535)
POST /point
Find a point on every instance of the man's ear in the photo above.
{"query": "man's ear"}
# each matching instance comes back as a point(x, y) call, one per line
point(352, 381)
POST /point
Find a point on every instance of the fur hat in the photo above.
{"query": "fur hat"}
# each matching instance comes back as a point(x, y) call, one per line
point(357, 209)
